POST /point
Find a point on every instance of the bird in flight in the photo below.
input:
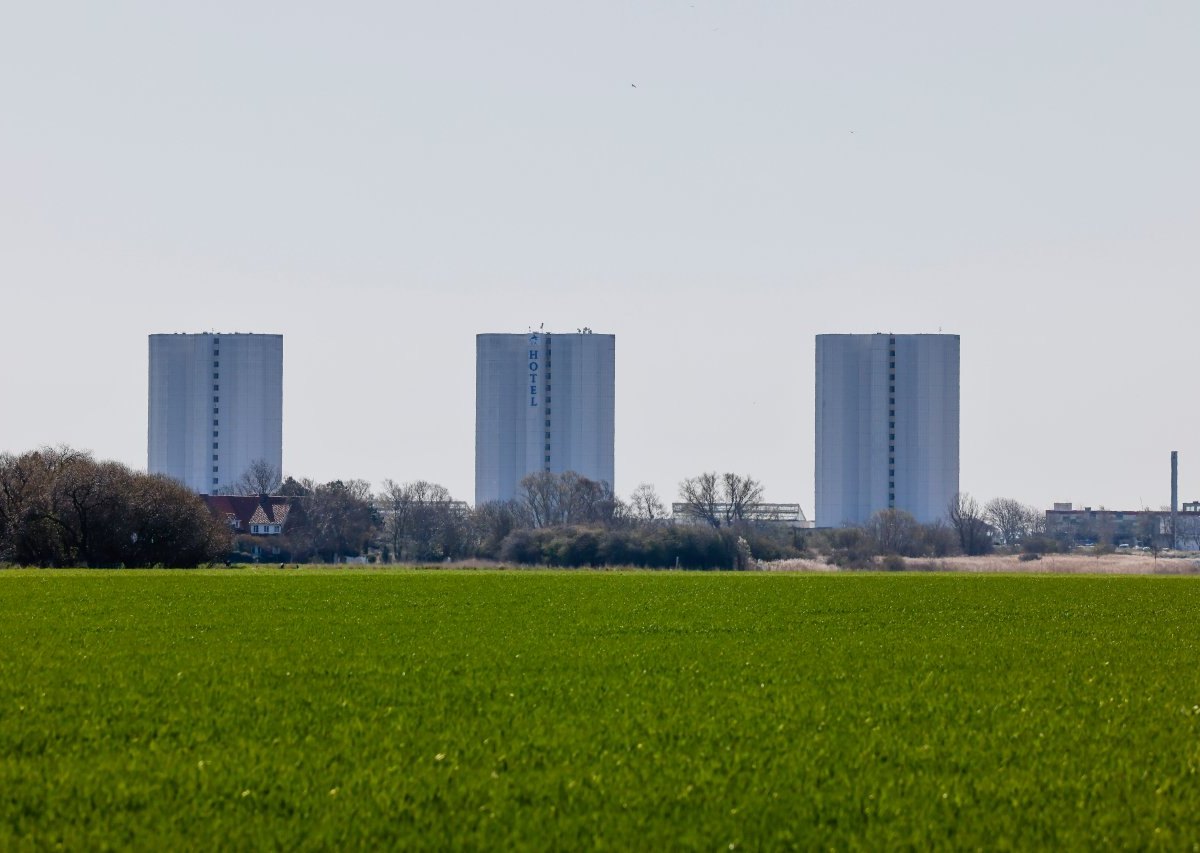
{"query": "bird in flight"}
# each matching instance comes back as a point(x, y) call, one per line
point(634, 85)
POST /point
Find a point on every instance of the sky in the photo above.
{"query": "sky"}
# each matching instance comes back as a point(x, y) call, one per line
point(714, 183)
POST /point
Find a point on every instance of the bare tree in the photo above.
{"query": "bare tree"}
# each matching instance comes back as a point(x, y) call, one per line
point(645, 504)
point(567, 498)
point(491, 522)
point(967, 519)
point(1013, 520)
point(27, 535)
point(421, 521)
point(586, 501)
point(741, 493)
point(261, 478)
point(333, 520)
point(701, 498)
point(293, 488)
point(540, 494)
point(719, 500)
point(894, 531)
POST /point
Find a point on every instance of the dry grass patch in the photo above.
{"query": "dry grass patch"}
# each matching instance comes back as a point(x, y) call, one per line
point(1065, 564)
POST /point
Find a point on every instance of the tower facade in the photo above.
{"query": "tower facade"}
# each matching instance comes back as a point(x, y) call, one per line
point(887, 426)
point(543, 402)
point(216, 407)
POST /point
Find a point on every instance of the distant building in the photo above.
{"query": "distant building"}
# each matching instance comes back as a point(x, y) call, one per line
point(543, 402)
point(254, 515)
point(216, 406)
point(1124, 527)
point(887, 426)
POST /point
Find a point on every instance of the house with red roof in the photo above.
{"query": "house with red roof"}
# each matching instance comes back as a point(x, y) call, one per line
point(256, 515)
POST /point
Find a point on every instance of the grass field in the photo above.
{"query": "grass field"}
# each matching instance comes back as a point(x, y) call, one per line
point(324, 709)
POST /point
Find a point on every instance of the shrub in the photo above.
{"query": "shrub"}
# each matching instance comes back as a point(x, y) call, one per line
point(1040, 544)
point(657, 546)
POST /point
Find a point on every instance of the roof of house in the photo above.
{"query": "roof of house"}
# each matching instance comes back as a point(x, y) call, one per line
point(250, 509)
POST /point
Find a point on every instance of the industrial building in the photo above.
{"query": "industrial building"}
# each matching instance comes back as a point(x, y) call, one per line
point(887, 426)
point(1144, 528)
point(543, 402)
point(216, 407)
point(1171, 527)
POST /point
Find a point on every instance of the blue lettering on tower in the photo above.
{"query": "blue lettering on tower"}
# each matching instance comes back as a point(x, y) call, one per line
point(534, 351)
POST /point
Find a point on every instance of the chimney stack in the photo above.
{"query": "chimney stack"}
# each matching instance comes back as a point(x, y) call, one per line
point(1174, 498)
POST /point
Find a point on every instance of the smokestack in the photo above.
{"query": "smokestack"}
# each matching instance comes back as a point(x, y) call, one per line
point(1174, 498)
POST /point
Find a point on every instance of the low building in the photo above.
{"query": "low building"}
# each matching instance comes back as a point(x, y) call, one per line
point(254, 515)
point(1187, 527)
point(1145, 528)
point(786, 515)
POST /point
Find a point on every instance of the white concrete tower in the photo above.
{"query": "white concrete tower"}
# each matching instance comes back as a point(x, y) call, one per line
point(887, 426)
point(216, 406)
point(543, 402)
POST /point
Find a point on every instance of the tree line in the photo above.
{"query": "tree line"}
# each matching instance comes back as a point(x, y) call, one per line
point(62, 507)
point(555, 519)
point(967, 528)
point(567, 520)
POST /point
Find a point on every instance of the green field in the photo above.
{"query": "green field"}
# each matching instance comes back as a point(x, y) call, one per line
point(327, 709)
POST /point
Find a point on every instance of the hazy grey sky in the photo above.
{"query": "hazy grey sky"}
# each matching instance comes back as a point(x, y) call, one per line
point(715, 183)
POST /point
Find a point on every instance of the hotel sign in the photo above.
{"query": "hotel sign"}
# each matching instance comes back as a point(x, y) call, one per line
point(535, 350)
